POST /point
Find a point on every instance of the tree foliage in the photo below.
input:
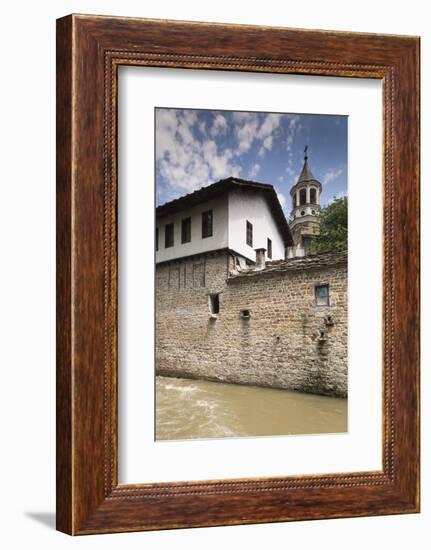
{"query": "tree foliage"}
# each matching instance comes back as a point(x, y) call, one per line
point(333, 228)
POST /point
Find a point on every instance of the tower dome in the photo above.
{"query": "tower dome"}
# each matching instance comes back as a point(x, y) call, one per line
point(305, 195)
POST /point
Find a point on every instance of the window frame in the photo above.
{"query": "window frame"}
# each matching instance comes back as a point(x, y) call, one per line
point(249, 233)
point(316, 288)
point(186, 223)
point(169, 225)
point(269, 248)
point(206, 224)
point(214, 303)
point(302, 193)
point(313, 195)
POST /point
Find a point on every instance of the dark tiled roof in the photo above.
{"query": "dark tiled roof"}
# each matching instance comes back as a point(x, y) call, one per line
point(224, 186)
point(305, 177)
point(326, 259)
point(306, 173)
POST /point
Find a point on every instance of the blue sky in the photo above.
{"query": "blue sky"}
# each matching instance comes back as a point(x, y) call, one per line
point(195, 148)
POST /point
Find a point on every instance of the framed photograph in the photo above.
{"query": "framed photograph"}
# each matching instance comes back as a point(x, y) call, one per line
point(237, 274)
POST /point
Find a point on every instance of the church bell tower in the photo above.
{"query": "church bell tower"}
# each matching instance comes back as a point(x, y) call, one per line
point(304, 216)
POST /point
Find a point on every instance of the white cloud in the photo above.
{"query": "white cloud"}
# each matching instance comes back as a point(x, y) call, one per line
point(294, 120)
point(185, 133)
point(241, 116)
point(202, 126)
point(219, 125)
point(185, 162)
point(251, 128)
point(267, 146)
point(267, 142)
point(270, 123)
point(219, 164)
point(254, 170)
point(331, 175)
point(294, 127)
point(167, 125)
point(246, 132)
point(192, 150)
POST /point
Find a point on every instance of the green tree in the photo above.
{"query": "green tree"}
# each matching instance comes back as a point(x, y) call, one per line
point(333, 228)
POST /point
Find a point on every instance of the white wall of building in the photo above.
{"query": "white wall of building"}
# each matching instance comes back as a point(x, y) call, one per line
point(230, 214)
point(254, 208)
point(197, 244)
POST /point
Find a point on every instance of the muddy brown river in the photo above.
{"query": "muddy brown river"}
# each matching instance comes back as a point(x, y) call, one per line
point(190, 409)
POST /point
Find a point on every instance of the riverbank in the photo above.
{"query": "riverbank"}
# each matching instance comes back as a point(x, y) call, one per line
point(193, 409)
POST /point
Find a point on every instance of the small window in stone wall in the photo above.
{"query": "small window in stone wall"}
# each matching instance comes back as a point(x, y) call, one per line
point(214, 304)
point(322, 295)
point(245, 314)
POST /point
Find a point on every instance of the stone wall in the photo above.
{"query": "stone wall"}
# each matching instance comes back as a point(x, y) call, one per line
point(286, 342)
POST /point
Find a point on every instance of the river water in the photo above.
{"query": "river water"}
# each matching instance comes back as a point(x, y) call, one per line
point(190, 409)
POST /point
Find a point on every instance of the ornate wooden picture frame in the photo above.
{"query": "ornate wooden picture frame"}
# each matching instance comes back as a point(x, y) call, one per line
point(89, 51)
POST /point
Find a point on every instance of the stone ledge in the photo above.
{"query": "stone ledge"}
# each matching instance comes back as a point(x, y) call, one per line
point(326, 259)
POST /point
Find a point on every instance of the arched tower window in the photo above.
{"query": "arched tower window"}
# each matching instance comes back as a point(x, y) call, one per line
point(303, 196)
point(313, 198)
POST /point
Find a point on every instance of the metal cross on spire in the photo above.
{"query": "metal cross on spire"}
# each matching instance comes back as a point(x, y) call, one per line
point(305, 152)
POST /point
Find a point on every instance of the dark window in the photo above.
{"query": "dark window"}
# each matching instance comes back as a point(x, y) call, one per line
point(157, 239)
point(322, 295)
point(269, 251)
point(245, 313)
point(313, 196)
point(207, 224)
point(186, 230)
point(302, 212)
point(214, 304)
point(169, 235)
point(302, 196)
point(249, 236)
